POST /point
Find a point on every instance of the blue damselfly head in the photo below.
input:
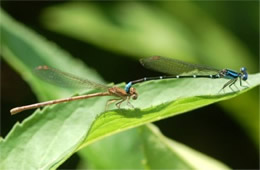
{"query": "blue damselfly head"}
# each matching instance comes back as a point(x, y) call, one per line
point(244, 73)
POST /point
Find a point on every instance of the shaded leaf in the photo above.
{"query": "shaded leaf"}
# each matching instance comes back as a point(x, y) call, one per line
point(144, 148)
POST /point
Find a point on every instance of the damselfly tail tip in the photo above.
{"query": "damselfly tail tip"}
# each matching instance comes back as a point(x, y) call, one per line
point(14, 111)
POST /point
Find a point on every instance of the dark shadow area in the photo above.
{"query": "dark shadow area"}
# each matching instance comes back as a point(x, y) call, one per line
point(209, 129)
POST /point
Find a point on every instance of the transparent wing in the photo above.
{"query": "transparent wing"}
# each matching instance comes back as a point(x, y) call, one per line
point(175, 67)
point(63, 79)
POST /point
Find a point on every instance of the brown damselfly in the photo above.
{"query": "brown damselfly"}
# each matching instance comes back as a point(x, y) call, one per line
point(56, 76)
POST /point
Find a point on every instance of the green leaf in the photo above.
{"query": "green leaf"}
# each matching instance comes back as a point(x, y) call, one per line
point(162, 99)
point(182, 30)
point(56, 132)
point(24, 50)
point(144, 148)
point(48, 137)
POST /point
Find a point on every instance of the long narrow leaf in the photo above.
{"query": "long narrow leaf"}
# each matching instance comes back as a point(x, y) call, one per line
point(59, 131)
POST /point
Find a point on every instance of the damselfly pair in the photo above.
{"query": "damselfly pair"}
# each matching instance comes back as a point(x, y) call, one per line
point(175, 68)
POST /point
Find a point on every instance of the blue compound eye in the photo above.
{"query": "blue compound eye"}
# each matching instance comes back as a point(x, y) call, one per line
point(244, 77)
point(243, 69)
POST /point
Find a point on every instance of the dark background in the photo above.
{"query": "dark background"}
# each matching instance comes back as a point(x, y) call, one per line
point(200, 130)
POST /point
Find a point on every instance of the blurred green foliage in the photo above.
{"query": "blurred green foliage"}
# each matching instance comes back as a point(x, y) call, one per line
point(210, 33)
